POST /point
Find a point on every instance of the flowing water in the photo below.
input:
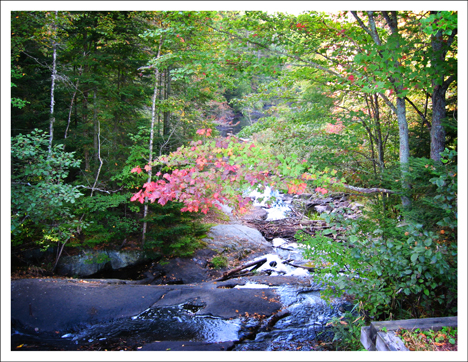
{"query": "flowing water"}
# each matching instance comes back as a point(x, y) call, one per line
point(300, 324)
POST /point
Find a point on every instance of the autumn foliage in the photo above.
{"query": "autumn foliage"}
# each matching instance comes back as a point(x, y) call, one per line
point(209, 172)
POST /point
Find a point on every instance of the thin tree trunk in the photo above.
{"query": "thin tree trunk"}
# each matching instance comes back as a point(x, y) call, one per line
point(378, 132)
point(98, 154)
point(52, 88)
point(167, 114)
point(153, 120)
point(72, 101)
point(404, 147)
point(97, 126)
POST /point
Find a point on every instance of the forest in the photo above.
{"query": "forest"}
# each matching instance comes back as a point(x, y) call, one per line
point(129, 127)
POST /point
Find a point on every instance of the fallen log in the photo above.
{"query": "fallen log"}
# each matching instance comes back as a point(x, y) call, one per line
point(368, 191)
point(309, 268)
point(230, 274)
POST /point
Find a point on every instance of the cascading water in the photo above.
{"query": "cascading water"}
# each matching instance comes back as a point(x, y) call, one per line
point(271, 201)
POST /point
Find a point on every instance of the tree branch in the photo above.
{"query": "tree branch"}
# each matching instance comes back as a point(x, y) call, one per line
point(425, 121)
point(96, 189)
point(312, 64)
point(361, 24)
point(368, 191)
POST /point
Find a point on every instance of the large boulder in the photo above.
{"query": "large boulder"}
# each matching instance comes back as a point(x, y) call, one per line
point(91, 262)
point(237, 242)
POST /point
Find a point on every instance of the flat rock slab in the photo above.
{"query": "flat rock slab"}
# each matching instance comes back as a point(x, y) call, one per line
point(64, 305)
point(223, 302)
point(186, 346)
point(61, 304)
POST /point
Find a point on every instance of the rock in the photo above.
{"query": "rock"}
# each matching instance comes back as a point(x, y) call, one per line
point(238, 243)
point(187, 346)
point(63, 304)
point(186, 270)
point(237, 239)
point(82, 265)
point(323, 208)
point(256, 213)
point(355, 205)
point(92, 262)
point(88, 307)
point(123, 259)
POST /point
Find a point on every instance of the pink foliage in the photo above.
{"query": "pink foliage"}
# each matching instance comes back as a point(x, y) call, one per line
point(334, 128)
point(322, 190)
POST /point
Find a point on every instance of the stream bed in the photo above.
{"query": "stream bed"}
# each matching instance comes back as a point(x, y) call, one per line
point(276, 306)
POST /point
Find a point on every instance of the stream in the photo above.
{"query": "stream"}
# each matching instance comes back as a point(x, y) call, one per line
point(299, 323)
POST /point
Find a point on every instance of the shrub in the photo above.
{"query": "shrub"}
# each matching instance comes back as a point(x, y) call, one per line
point(396, 268)
point(219, 262)
point(41, 199)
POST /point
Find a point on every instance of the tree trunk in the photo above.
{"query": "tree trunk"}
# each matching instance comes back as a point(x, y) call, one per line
point(71, 103)
point(52, 88)
point(378, 131)
point(437, 129)
point(440, 85)
point(97, 127)
point(167, 114)
point(150, 156)
point(404, 147)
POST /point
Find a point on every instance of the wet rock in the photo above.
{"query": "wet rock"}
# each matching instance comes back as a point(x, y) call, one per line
point(62, 304)
point(187, 346)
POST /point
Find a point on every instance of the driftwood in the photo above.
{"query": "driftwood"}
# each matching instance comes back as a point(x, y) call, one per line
point(309, 268)
point(368, 191)
point(286, 228)
point(231, 274)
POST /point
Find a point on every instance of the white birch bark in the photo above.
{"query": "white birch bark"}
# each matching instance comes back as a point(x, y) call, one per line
point(153, 120)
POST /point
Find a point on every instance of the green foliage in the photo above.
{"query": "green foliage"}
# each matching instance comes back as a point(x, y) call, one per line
point(112, 219)
point(173, 232)
point(219, 262)
point(443, 21)
point(16, 102)
point(97, 258)
point(39, 192)
point(394, 269)
point(427, 340)
point(434, 194)
point(347, 332)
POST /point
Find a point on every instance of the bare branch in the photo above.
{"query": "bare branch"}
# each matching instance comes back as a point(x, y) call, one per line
point(368, 191)
point(96, 189)
point(424, 119)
